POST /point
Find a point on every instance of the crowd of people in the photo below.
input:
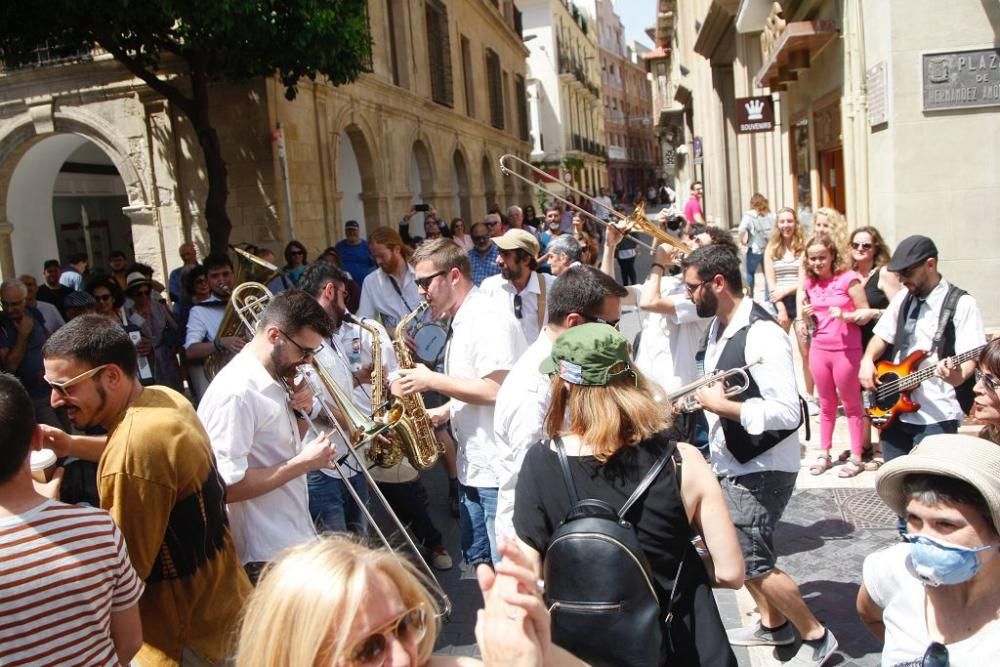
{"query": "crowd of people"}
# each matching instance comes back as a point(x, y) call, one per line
point(212, 500)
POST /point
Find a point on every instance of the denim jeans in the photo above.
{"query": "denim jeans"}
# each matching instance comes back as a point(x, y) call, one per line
point(753, 263)
point(899, 438)
point(332, 508)
point(406, 501)
point(477, 512)
point(756, 502)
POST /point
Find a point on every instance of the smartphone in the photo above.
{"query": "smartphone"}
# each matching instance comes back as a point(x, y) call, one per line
point(422, 207)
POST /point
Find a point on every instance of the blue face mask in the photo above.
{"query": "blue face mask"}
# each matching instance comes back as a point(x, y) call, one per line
point(939, 563)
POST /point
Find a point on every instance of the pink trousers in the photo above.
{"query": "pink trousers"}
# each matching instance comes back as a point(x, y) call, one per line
point(836, 372)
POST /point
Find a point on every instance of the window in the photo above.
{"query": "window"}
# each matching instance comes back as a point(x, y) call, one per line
point(521, 97)
point(439, 52)
point(398, 45)
point(470, 100)
point(494, 84)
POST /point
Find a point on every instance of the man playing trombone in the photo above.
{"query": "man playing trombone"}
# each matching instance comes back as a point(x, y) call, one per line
point(249, 413)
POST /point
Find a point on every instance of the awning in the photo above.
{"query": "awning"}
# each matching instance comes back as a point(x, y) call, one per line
point(798, 45)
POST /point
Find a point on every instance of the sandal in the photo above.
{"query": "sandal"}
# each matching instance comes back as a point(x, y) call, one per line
point(822, 464)
point(873, 465)
point(851, 469)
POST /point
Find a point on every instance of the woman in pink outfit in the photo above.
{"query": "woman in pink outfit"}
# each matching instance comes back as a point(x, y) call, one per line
point(835, 353)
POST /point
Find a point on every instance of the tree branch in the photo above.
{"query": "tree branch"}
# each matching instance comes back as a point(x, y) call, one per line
point(169, 91)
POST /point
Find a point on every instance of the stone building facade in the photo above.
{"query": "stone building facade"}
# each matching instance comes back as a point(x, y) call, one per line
point(444, 98)
point(888, 111)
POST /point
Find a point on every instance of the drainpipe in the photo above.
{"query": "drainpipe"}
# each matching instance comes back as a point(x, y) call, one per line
point(279, 139)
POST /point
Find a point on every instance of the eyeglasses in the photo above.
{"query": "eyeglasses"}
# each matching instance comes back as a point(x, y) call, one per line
point(306, 351)
point(61, 388)
point(11, 304)
point(910, 270)
point(103, 297)
point(480, 239)
point(425, 282)
point(598, 320)
point(691, 289)
point(517, 306)
point(862, 246)
point(989, 381)
point(936, 655)
point(408, 627)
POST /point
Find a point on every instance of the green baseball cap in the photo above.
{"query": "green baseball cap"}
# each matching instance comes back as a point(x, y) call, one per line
point(590, 354)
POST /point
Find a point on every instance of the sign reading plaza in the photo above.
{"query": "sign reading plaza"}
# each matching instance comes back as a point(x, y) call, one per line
point(754, 114)
point(961, 79)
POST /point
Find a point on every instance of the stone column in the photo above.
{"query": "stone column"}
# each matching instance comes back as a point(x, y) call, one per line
point(146, 235)
point(7, 269)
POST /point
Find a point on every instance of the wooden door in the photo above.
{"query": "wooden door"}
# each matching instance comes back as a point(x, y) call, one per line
point(831, 178)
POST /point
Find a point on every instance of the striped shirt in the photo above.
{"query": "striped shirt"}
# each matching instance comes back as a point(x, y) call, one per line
point(64, 570)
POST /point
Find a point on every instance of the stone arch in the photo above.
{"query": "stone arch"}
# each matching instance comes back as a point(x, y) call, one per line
point(420, 156)
point(489, 182)
point(461, 185)
point(357, 179)
point(22, 133)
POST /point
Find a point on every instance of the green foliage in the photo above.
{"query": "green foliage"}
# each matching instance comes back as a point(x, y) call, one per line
point(222, 40)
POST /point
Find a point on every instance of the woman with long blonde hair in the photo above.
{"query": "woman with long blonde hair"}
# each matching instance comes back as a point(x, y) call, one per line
point(611, 426)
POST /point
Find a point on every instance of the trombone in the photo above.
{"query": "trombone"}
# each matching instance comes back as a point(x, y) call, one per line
point(362, 429)
point(629, 225)
point(685, 394)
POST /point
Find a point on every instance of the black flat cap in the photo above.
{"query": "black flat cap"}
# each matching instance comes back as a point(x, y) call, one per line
point(912, 250)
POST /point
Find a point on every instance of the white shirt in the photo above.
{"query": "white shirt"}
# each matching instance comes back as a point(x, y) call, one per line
point(891, 585)
point(50, 314)
point(604, 210)
point(246, 414)
point(669, 343)
point(379, 298)
point(483, 340)
point(776, 409)
point(204, 322)
point(518, 423)
point(935, 396)
point(502, 291)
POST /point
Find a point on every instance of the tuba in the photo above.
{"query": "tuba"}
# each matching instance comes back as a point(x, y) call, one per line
point(413, 436)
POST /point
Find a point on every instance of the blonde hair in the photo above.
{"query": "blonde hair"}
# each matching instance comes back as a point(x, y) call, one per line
point(444, 254)
point(838, 263)
point(303, 607)
point(619, 414)
point(390, 238)
point(775, 244)
point(759, 203)
point(837, 222)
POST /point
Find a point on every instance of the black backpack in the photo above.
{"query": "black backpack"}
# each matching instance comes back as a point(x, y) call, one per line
point(598, 583)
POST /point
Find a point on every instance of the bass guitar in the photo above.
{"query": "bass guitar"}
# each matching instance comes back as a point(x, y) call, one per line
point(891, 396)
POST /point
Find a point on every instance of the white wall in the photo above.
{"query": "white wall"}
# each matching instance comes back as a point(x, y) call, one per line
point(349, 182)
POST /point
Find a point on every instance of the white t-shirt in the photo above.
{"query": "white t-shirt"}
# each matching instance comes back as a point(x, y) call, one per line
point(484, 339)
point(246, 414)
point(935, 396)
point(518, 423)
point(204, 321)
point(502, 291)
point(669, 343)
point(891, 586)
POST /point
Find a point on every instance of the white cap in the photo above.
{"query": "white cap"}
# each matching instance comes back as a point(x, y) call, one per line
point(42, 459)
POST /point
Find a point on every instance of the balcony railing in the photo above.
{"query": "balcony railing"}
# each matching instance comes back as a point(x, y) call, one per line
point(48, 56)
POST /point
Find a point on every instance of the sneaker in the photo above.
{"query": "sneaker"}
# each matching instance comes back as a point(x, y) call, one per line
point(758, 635)
point(815, 653)
point(441, 559)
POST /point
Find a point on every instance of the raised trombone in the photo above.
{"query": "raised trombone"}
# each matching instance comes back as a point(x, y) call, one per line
point(737, 381)
point(629, 225)
point(361, 430)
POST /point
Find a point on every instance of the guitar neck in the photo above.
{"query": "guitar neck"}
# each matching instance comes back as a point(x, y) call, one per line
point(912, 380)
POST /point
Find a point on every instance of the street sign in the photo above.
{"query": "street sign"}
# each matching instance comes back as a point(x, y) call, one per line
point(698, 156)
point(961, 79)
point(754, 114)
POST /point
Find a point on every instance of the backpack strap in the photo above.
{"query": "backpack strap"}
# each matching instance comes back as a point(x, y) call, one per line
point(574, 496)
point(650, 477)
point(947, 313)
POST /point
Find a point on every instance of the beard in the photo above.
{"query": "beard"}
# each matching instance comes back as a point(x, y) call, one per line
point(708, 305)
point(507, 273)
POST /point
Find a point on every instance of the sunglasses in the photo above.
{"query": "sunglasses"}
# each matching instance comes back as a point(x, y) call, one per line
point(408, 627)
point(62, 388)
point(425, 282)
point(936, 655)
point(306, 351)
point(989, 381)
point(862, 246)
point(480, 239)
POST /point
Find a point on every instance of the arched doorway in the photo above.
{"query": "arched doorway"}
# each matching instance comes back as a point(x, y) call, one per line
point(65, 196)
point(489, 183)
point(421, 183)
point(356, 180)
point(460, 186)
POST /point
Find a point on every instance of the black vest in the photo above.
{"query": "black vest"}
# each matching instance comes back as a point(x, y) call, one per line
point(741, 444)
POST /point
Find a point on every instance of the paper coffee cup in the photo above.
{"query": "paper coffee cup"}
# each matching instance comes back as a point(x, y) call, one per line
point(43, 464)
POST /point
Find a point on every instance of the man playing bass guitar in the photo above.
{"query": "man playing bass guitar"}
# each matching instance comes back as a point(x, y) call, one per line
point(912, 322)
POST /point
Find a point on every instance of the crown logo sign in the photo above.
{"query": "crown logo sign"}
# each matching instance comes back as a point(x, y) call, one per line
point(755, 110)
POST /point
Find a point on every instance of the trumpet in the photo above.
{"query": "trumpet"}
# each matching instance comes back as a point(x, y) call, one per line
point(630, 225)
point(739, 376)
point(360, 431)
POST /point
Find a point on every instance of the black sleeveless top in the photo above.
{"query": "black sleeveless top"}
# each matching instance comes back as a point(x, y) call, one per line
point(876, 299)
point(542, 502)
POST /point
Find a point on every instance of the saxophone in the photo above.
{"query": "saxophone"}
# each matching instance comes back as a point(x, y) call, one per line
point(413, 435)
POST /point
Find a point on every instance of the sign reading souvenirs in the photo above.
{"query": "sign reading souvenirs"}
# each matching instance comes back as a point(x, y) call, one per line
point(754, 114)
point(961, 79)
